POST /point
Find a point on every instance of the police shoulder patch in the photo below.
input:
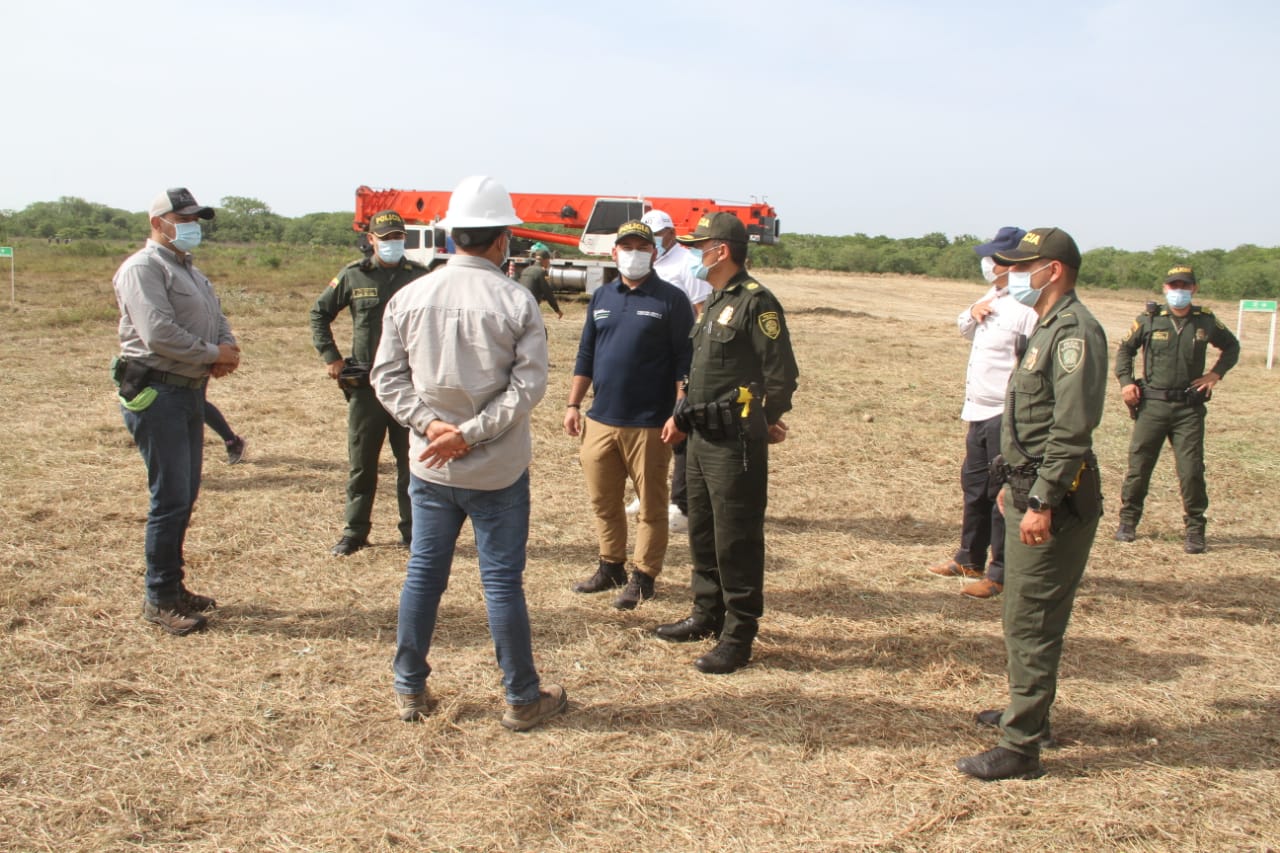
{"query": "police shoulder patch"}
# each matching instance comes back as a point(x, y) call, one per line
point(334, 282)
point(1070, 354)
point(752, 285)
point(771, 325)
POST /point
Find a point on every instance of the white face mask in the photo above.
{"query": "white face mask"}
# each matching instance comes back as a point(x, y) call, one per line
point(634, 263)
point(989, 269)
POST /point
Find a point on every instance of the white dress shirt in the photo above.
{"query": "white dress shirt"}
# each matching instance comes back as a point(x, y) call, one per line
point(992, 358)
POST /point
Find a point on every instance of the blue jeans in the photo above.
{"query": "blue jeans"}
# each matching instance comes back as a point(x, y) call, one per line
point(500, 520)
point(170, 436)
point(216, 422)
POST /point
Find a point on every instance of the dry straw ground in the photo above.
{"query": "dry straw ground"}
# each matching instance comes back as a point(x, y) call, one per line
point(275, 730)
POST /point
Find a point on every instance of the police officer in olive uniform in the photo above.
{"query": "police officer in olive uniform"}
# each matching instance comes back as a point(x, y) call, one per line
point(1168, 403)
point(1053, 501)
point(741, 380)
point(364, 287)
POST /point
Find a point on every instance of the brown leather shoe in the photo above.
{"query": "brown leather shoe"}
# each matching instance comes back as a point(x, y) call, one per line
point(985, 588)
point(414, 706)
point(952, 569)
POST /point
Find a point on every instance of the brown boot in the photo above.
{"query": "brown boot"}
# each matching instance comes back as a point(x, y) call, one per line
point(171, 617)
point(607, 576)
point(551, 701)
point(952, 569)
point(985, 588)
point(414, 706)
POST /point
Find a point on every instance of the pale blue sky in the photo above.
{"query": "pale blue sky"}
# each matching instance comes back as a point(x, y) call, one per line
point(1131, 123)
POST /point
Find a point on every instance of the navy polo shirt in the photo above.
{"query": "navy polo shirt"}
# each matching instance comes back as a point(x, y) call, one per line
point(634, 348)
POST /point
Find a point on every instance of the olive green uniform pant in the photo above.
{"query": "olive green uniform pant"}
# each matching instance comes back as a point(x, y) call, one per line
point(726, 534)
point(367, 425)
point(1183, 426)
point(1039, 590)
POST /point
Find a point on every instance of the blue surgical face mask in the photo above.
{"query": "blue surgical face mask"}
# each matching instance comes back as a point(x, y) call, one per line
point(658, 244)
point(1177, 297)
point(702, 270)
point(1020, 287)
point(186, 235)
point(390, 251)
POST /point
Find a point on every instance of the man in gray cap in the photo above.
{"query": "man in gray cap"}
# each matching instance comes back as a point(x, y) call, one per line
point(994, 324)
point(173, 337)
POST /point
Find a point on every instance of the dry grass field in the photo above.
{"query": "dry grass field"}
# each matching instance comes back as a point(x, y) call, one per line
point(275, 730)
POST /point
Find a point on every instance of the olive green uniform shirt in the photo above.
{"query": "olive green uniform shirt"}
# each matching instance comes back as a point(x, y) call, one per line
point(365, 287)
point(1174, 348)
point(1055, 397)
point(534, 278)
point(741, 338)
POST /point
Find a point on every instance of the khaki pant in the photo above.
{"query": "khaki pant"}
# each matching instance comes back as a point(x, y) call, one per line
point(610, 455)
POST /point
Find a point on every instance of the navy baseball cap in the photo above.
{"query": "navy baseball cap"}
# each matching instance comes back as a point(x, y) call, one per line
point(1006, 240)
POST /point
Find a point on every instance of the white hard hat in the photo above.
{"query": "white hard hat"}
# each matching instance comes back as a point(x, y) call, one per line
point(657, 220)
point(479, 202)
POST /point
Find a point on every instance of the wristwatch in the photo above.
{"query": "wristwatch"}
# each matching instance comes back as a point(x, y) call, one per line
point(1037, 505)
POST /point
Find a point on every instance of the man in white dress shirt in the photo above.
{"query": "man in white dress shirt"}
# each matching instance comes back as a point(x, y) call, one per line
point(995, 324)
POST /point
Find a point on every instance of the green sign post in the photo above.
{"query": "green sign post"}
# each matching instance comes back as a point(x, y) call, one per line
point(1259, 306)
point(7, 252)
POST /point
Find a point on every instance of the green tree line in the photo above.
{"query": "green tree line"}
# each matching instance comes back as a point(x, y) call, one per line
point(1247, 271)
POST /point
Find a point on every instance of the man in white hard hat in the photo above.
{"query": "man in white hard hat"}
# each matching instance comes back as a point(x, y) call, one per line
point(462, 362)
point(677, 265)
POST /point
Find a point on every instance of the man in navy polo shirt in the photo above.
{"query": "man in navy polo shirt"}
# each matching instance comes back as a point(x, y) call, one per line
point(634, 353)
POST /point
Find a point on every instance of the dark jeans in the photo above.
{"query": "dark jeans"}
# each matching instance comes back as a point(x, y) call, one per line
point(214, 420)
point(679, 489)
point(500, 522)
point(983, 524)
point(170, 436)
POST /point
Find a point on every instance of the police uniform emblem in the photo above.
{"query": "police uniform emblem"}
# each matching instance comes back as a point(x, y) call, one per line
point(1202, 335)
point(1160, 335)
point(1071, 354)
point(770, 325)
point(1029, 363)
point(726, 316)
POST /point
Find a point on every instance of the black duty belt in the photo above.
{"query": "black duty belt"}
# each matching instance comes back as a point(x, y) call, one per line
point(176, 379)
point(1168, 395)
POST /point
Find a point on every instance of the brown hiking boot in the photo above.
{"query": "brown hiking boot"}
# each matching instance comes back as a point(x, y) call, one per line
point(952, 569)
point(607, 576)
point(1195, 542)
point(639, 588)
point(414, 706)
point(172, 618)
point(193, 602)
point(551, 701)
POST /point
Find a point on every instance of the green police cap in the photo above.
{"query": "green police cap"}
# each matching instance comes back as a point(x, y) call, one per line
point(1049, 244)
point(717, 226)
point(1180, 273)
point(386, 222)
point(635, 228)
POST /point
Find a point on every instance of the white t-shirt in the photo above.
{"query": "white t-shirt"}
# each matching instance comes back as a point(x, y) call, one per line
point(676, 267)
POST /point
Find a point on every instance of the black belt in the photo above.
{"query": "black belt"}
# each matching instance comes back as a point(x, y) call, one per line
point(1168, 395)
point(176, 379)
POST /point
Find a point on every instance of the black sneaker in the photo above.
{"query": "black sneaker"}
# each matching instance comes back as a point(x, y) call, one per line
point(607, 576)
point(348, 545)
point(235, 450)
point(639, 588)
point(1195, 542)
point(1126, 533)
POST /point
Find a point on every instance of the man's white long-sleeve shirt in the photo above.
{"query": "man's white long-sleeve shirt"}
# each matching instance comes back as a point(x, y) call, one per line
point(466, 345)
point(992, 358)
